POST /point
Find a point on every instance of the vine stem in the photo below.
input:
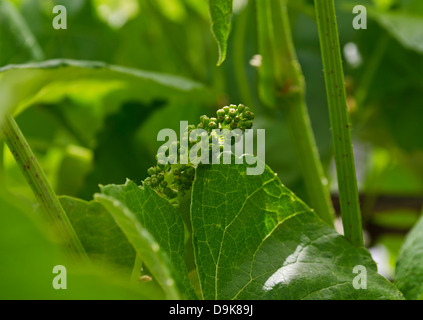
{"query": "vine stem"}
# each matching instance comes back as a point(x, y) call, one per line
point(25, 158)
point(42, 189)
point(282, 85)
point(339, 118)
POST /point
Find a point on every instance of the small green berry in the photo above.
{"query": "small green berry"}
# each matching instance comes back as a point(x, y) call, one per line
point(154, 182)
point(220, 112)
point(212, 125)
point(248, 115)
point(190, 171)
point(204, 120)
point(185, 180)
point(241, 108)
point(232, 112)
point(248, 124)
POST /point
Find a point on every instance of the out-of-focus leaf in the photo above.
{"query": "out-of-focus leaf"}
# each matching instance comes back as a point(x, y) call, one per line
point(28, 257)
point(100, 236)
point(406, 27)
point(221, 12)
point(20, 84)
point(142, 207)
point(144, 243)
point(73, 168)
point(12, 24)
point(409, 268)
point(397, 219)
point(254, 239)
point(117, 138)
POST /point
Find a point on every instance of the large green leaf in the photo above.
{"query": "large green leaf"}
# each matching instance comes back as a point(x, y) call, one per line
point(144, 208)
point(409, 269)
point(98, 232)
point(28, 255)
point(406, 27)
point(221, 12)
point(254, 239)
point(144, 243)
point(21, 84)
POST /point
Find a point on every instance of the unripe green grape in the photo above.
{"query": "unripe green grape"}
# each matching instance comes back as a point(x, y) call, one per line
point(185, 180)
point(232, 112)
point(154, 182)
point(172, 180)
point(204, 120)
point(161, 158)
point(190, 171)
point(248, 124)
point(220, 112)
point(248, 115)
point(202, 136)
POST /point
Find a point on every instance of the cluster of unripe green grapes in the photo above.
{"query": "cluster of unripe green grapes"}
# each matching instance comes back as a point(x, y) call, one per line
point(171, 180)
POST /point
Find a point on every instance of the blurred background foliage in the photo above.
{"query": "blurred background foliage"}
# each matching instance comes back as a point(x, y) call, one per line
point(87, 133)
